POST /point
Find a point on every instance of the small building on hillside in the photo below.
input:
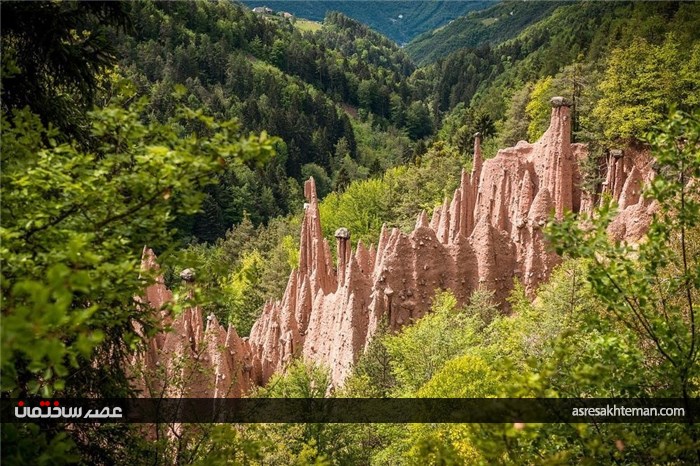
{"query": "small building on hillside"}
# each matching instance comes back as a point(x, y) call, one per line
point(263, 10)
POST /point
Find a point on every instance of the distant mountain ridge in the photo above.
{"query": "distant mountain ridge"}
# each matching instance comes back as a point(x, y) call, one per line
point(401, 21)
point(493, 25)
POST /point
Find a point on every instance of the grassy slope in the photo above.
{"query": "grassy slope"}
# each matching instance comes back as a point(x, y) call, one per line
point(307, 25)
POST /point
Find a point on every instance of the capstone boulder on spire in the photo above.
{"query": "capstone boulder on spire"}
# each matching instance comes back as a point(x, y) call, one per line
point(488, 233)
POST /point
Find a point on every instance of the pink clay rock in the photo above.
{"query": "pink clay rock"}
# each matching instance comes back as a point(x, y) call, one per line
point(489, 234)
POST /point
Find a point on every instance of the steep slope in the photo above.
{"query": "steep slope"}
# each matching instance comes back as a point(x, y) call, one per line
point(491, 25)
point(489, 234)
point(400, 21)
point(571, 51)
point(263, 71)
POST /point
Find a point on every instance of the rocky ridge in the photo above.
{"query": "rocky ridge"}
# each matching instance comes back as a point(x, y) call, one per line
point(489, 233)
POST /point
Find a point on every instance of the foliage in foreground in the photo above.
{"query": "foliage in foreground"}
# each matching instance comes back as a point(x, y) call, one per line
point(74, 225)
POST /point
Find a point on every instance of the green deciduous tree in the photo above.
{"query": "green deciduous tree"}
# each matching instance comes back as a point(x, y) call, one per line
point(245, 296)
point(420, 350)
point(52, 55)
point(418, 121)
point(516, 122)
point(653, 287)
point(323, 182)
point(74, 224)
point(642, 81)
point(538, 108)
point(359, 208)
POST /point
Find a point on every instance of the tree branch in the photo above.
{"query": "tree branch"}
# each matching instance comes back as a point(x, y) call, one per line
point(640, 317)
point(54, 222)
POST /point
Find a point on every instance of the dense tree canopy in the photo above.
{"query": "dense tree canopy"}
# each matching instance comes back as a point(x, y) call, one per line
point(52, 53)
point(301, 86)
point(189, 126)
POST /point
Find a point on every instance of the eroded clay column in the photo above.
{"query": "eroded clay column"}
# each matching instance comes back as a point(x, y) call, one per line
point(563, 171)
point(342, 236)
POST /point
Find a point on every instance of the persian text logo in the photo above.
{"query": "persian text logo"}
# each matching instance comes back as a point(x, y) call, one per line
point(45, 410)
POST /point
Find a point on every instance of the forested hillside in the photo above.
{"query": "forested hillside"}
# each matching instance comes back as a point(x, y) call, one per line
point(489, 24)
point(190, 127)
point(274, 78)
point(613, 60)
point(398, 20)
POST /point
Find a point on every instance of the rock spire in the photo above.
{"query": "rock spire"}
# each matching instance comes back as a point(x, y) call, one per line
point(488, 234)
